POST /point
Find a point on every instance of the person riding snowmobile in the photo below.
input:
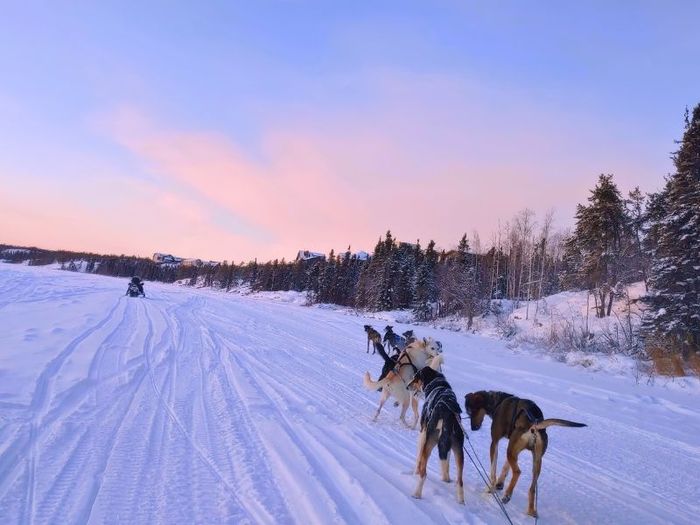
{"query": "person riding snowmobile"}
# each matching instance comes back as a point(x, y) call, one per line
point(135, 287)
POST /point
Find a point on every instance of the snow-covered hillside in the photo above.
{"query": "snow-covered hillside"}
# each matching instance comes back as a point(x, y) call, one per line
point(192, 406)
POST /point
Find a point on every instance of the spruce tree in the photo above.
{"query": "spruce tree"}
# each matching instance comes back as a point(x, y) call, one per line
point(639, 267)
point(595, 252)
point(326, 285)
point(675, 233)
point(426, 288)
point(404, 269)
point(386, 270)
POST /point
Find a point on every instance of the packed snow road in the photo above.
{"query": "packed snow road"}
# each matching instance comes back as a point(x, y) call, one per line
point(200, 407)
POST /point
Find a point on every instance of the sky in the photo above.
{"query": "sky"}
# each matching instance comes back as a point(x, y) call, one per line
point(240, 130)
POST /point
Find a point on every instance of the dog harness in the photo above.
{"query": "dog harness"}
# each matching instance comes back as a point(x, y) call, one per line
point(439, 394)
point(516, 415)
point(397, 368)
point(415, 368)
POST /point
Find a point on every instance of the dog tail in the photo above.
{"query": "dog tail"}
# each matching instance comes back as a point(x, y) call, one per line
point(380, 350)
point(551, 422)
point(373, 385)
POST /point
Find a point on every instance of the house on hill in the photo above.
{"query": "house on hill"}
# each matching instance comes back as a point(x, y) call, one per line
point(166, 258)
point(306, 255)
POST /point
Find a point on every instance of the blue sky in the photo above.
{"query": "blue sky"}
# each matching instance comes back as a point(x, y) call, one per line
point(479, 108)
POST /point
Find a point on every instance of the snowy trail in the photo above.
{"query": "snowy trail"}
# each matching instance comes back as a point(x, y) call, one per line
point(194, 406)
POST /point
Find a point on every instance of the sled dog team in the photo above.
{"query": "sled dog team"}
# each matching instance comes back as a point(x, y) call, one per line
point(416, 367)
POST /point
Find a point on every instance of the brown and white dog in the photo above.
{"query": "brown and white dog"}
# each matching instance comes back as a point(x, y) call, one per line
point(417, 355)
point(439, 425)
point(522, 422)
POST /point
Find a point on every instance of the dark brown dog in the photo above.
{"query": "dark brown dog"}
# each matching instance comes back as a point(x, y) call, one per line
point(373, 337)
point(522, 422)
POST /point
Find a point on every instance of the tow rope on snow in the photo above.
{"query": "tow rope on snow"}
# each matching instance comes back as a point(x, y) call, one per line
point(482, 471)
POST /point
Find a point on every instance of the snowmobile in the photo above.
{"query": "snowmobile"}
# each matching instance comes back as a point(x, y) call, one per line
point(135, 288)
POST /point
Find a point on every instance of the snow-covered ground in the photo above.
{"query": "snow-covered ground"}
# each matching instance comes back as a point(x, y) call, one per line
point(192, 406)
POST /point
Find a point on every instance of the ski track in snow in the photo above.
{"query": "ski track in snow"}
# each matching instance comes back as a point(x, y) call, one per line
point(193, 406)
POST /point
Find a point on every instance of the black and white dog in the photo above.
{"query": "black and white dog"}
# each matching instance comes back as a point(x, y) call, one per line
point(394, 340)
point(439, 425)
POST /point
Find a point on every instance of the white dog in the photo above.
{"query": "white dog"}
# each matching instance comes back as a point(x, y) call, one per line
point(417, 355)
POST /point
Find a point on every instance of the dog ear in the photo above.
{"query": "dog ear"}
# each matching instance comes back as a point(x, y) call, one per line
point(473, 400)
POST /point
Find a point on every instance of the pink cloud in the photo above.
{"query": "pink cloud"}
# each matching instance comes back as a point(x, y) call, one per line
point(109, 214)
point(431, 158)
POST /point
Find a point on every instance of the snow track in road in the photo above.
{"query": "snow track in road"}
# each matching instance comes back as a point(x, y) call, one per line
point(193, 406)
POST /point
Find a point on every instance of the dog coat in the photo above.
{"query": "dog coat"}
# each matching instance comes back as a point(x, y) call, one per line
point(438, 394)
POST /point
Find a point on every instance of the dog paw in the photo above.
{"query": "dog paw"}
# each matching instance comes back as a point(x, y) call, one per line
point(416, 496)
point(505, 499)
point(499, 485)
point(447, 480)
point(532, 513)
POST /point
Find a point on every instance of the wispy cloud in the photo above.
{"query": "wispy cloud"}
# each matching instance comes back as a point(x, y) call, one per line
point(430, 157)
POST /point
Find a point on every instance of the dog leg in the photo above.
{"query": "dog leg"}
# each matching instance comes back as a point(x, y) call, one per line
point(502, 478)
point(493, 452)
point(537, 454)
point(512, 456)
point(423, 467)
point(444, 447)
point(459, 463)
point(445, 468)
point(404, 409)
point(414, 406)
point(382, 400)
point(421, 444)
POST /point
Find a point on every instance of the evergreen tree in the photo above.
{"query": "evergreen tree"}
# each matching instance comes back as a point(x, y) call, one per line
point(404, 268)
point(463, 250)
point(326, 286)
point(426, 288)
point(595, 251)
point(675, 272)
point(367, 292)
point(461, 291)
point(386, 270)
point(639, 267)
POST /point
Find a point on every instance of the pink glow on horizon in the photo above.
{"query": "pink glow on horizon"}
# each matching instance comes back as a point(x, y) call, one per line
point(330, 180)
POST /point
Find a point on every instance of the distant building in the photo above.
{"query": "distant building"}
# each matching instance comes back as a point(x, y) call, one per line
point(192, 262)
point(166, 258)
point(306, 255)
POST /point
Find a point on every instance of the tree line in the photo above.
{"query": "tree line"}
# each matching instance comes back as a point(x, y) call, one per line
point(616, 240)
